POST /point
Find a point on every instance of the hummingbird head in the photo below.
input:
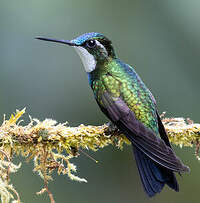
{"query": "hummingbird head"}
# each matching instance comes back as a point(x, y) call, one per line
point(93, 48)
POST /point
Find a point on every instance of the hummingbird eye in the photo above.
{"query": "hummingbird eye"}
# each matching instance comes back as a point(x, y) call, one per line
point(91, 43)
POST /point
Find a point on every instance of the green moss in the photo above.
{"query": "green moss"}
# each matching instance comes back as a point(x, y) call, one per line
point(45, 141)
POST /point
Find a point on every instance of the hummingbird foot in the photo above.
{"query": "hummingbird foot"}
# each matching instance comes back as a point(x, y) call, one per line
point(112, 130)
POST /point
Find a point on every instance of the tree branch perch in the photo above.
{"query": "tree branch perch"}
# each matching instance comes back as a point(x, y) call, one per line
point(44, 142)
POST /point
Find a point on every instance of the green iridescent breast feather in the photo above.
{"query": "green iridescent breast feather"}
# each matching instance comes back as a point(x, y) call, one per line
point(121, 80)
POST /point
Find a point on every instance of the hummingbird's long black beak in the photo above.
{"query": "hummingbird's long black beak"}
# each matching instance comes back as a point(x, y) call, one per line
point(56, 40)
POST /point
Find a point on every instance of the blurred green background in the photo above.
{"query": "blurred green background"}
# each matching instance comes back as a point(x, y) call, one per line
point(160, 38)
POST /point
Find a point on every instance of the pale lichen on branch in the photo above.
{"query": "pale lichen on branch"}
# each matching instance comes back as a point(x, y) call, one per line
point(45, 141)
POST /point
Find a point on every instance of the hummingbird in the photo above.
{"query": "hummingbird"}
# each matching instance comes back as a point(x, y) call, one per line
point(128, 103)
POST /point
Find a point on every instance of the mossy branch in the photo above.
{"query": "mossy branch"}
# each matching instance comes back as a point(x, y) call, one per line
point(44, 141)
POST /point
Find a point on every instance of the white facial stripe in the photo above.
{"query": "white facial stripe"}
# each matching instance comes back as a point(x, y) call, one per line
point(102, 47)
point(87, 59)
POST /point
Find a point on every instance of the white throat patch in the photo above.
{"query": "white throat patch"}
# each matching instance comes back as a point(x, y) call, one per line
point(87, 59)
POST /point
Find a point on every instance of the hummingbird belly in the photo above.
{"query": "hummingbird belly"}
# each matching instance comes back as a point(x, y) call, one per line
point(132, 91)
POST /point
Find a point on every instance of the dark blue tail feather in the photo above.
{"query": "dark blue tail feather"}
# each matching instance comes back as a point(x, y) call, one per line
point(153, 176)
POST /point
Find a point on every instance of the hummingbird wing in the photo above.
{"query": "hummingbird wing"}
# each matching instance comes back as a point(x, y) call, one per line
point(128, 103)
point(141, 137)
